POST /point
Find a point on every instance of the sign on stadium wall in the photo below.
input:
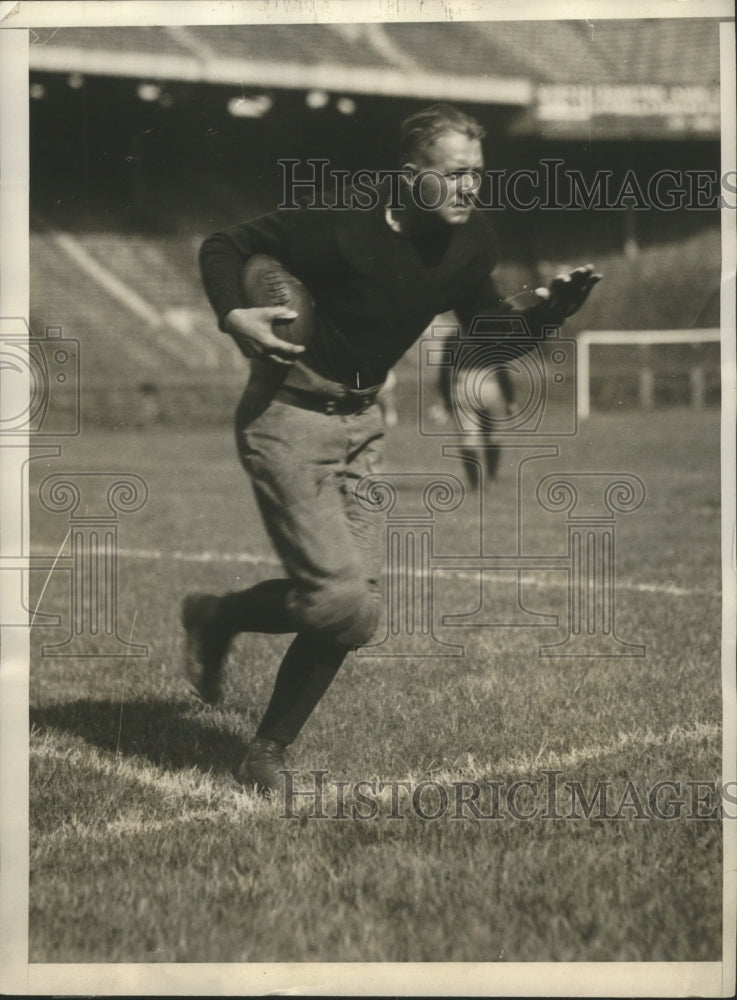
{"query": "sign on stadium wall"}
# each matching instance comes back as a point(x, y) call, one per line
point(626, 110)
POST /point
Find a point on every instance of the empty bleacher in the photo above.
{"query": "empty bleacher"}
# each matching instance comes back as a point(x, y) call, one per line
point(123, 193)
point(177, 359)
point(649, 51)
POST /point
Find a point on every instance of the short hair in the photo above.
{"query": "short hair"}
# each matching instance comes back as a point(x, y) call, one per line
point(419, 131)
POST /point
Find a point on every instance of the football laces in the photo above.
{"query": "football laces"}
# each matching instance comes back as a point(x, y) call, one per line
point(277, 289)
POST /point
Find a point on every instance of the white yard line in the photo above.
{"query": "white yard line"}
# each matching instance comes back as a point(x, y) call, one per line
point(536, 580)
point(191, 786)
point(204, 797)
point(177, 555)
point(529, 765)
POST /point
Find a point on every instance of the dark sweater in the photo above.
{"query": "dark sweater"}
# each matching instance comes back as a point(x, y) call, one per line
point(375, 290)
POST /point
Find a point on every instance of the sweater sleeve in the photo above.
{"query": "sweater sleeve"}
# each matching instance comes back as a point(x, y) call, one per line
point(223, 255)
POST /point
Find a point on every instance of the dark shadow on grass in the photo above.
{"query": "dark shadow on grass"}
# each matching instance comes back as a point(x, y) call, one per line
point(164, 732)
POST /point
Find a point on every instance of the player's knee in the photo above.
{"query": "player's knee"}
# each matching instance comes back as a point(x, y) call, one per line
point(346, 612)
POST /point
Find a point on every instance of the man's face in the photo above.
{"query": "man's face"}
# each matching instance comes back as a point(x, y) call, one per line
point(447, 177)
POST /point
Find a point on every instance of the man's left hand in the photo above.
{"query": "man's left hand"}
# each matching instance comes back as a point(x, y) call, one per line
point(567, 292)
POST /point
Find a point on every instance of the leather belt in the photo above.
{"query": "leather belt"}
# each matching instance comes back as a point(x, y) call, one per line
point(321, 403)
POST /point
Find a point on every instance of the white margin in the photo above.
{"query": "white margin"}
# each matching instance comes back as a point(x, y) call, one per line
point(729, 508)
point(94, 13)
point(15, 642)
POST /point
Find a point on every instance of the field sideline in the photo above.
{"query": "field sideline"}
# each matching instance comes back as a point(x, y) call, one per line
point(144, 848)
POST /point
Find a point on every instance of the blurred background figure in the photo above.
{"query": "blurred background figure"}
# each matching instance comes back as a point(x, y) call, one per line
point(494, 401)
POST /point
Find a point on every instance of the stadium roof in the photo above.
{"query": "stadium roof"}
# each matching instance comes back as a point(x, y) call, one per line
point(643, 69)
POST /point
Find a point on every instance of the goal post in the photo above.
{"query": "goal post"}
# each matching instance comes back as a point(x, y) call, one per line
point(642, 337)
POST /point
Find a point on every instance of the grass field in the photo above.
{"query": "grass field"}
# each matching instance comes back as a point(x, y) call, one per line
point(144, 848)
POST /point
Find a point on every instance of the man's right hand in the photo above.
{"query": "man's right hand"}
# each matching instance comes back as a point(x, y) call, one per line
point(252, 331)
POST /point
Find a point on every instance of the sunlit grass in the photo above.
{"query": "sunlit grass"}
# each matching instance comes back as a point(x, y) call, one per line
point(144, 848)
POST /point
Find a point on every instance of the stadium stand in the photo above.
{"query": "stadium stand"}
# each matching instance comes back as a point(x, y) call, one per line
point(626, 52)
point(60, 295)
point(179, 356)
point(311, 44)
point(155, 41)
point(116, 230)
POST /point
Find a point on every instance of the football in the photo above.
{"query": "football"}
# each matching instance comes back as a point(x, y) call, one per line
point(266, 282)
